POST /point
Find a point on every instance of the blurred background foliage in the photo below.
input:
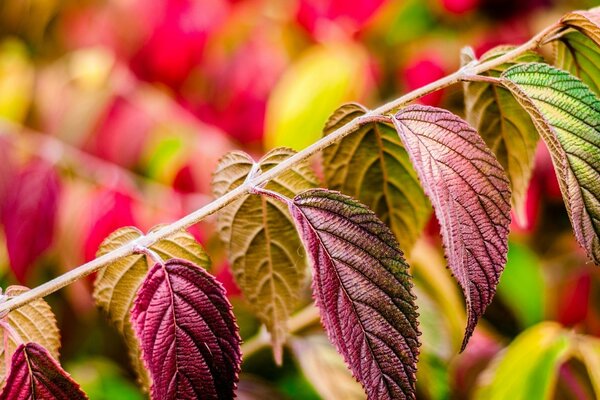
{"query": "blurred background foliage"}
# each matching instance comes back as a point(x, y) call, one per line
point(115, 112)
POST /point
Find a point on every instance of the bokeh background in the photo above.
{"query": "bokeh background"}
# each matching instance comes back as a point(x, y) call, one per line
point(115, 113)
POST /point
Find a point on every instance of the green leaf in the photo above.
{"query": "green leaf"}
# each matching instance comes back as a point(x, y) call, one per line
point(505, 127)
point(528, 369)
point(116, 285)
point(267, 258)
point(324, 77)
point(579, 55)
point(372, 165)
point(567, 115)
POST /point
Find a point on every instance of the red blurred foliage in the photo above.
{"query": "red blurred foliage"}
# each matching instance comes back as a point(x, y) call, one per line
point(423, 69)
point(573, 303)
point(29, 214)
point(544, 173)
point(532, 209)
point(512, 31)
point(225, 276)
point(460, 7)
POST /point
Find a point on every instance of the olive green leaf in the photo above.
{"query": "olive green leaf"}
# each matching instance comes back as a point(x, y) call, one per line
point(506, 128)
point(567, 115)
point(116, 285)
point(372, 166)
point(33, 322)
point(267, 258)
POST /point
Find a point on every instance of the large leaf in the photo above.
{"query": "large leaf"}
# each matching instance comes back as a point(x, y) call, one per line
point(36, 375)
point(470, 194)
point(363, 290)
point(528, 369)
point(33, 322)
point(117, 284)
point(28, 214)
point(264, 249)
point(576, 53)
point(587, 22)
point(188, 334)
point(506, 128)
point(371, 165)
point(325, 370)
point(567, 115)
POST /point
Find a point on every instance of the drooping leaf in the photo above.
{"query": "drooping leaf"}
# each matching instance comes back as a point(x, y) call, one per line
point(528, 369)
point(585, 21)
point(36, 375)
point(33, 322)
point(470, 194)
point(567, 115)
point(265, 252)
point(325, 369)
point(505, 127)
point(363, 290)
point(576, 53)
point(188, 334)
point(116, 285)
point(587, 349)
point(372, 166)
point(28, 215)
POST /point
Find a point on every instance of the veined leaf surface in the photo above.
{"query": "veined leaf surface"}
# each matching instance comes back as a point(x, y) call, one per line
point(567, 115)
point(470, 194)
point(36, 375)
point(188, 334)
point(585, 21)
point(372, 166)
point(506, 128)
point(363, 290)
point(33, 322)
point(265, 253)
point(576, 53)
point(117, 284)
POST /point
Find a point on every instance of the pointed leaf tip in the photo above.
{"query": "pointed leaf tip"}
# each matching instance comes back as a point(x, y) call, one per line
point(188, 334)
point(362, 288)
point(470, 195)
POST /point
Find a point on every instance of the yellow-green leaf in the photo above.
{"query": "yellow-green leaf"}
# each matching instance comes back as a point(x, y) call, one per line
point(528, 369)
point(266, 255)
point(33, 322)
point(567, 115)
point(588, 351)
point(16, 80)
point(506, 128)
point(116, 285)
point(324, 77)
point(372, 165)
point(576, 53)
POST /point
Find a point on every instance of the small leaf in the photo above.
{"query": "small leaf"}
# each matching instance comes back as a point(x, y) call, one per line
point(363, 290)
point(116, 285)
point(567, 116)
point(28, 214)
point(505, 127)
point(470, 194)
point(188, 334)
point(33, 322)
point(324, 368)
point(372, 166)
point(36, 375)
point(265, 252)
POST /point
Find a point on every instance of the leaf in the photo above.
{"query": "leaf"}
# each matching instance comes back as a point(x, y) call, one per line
point(33, 322)
point(324, 368)
point(362, 288)
point(265, 252)
point(579, 55)
point(528, 369)
point(188, 334)
point(321, 79)
point(371, 165)
point(587, 349)
point(28, 214)
point(505, 127)
point(116, 285)
point(587, 22)
point(470, 194)
point(567, 116)
point(35, 374)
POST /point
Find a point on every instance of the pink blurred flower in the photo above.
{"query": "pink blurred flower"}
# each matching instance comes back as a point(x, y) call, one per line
point(421, 70)
point(459, 7)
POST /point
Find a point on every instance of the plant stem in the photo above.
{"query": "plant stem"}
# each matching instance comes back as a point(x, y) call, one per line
point(242, 190)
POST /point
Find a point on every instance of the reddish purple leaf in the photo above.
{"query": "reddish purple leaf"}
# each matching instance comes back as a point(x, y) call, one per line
point(470, 194)
point(34, 374)
point(29, 214)
point(188, 334)
point(362, 287)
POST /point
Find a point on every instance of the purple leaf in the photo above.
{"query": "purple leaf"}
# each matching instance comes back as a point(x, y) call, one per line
point(470, 194)
point(34, 374)
point(188, 334)
point(363, 290)
point(28, 215)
